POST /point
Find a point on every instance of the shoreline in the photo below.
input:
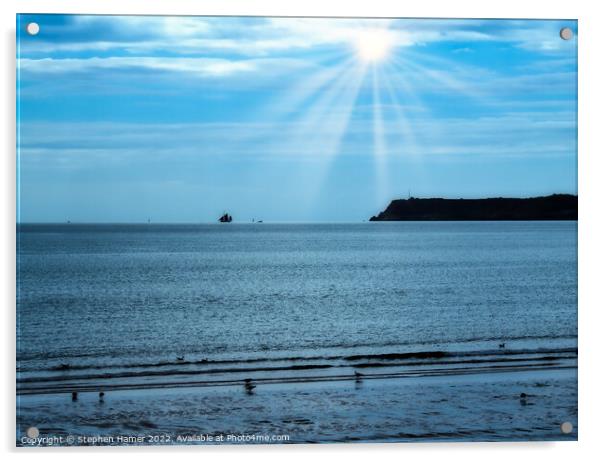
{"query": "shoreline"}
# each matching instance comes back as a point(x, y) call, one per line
point(296, 380)
point(294, 369)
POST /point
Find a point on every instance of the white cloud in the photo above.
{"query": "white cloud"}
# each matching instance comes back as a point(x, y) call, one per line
point(262, 36)
point(463, 50)
point(200, 66)
point(523, 134)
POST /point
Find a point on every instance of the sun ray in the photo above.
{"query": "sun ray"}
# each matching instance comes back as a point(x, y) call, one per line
point(284, 107)
point(379, 142)
point(401, 120)
point(330, 145)
point(394, 70)
point(289, 100)
point(408, 132)
point(323, 123)
point(438, 77)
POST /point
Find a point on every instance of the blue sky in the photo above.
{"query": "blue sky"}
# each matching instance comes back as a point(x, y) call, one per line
point(177, 119)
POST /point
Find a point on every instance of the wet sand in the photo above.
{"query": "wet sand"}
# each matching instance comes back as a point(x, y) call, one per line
point(451, 407)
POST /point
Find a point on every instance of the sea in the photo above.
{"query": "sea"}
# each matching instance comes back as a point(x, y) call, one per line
point(297, 333)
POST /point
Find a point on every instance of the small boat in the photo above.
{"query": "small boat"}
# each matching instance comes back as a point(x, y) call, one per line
point(225, 218)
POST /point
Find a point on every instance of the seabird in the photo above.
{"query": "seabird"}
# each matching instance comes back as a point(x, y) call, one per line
point(358, 376)
point(64, 366)
point(180, 359)
point(502, 345)
point(249, 386)
point(101, 396)
point(73, 396)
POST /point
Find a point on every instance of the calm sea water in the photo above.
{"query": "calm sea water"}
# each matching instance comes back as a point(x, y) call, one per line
point(141, 306)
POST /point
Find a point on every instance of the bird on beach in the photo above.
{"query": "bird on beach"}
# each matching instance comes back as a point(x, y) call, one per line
point(73, 396)
point(249, 386)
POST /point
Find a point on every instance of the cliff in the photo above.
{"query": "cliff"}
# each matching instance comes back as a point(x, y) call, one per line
point(551, 207)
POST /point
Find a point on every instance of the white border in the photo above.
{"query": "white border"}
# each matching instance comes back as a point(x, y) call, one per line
point(590, 231)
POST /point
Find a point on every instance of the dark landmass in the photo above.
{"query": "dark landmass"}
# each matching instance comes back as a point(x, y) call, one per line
point(549, 208)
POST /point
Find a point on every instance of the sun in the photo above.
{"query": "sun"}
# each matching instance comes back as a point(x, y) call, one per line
point(373, 45)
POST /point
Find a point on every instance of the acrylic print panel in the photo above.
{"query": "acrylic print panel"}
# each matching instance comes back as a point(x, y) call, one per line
point(292, 230)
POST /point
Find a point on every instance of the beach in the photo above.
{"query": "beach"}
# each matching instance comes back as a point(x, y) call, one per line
point(485, 407)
